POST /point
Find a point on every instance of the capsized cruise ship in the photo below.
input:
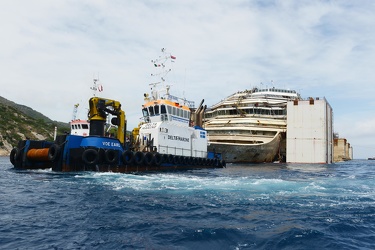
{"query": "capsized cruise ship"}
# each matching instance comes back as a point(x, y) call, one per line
point(250, 126)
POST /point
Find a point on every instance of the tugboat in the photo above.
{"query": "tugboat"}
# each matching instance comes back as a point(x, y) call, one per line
point(171, 125)
point(165, 141)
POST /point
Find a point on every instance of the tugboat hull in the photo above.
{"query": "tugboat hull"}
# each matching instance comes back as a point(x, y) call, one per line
point(71, 153)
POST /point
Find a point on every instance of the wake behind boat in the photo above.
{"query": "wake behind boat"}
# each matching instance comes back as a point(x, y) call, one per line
point(250, 125)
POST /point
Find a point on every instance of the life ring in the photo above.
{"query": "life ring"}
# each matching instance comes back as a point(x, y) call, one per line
point(148, 158)
point(111, 156)
point(53, 152)
point(127, 157)
point(158, 159)
point(14, 155)
point(138, 157)
point(90, 156)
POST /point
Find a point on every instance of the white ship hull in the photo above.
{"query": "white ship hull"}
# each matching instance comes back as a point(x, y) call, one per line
point(255, 153)
point(248, 126)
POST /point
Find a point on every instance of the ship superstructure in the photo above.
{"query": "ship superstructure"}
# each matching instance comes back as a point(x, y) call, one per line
point(167, 119)
point(250, 125)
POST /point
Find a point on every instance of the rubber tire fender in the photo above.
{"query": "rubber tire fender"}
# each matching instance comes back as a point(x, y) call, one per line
point(127, 157)
point(215, 162)
point(111, 156)
point(148, 159)
point(164, 158)
point(158, 159)
point(53, 152)
point(170, 158)
point(176, 160)
point(138, 158)
point(14, 155)
point(90, 156)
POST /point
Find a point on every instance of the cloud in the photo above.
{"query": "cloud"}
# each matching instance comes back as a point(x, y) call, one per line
point(51, 51)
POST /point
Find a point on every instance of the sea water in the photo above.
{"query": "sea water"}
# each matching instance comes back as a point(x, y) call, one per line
point(254, 206)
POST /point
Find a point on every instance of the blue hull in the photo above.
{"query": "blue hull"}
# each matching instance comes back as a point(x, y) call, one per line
point(94, 153)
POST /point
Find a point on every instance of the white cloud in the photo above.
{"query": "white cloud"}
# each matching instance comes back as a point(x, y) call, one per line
point(51, 50)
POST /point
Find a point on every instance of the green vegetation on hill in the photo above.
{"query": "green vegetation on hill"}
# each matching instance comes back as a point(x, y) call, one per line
point(19, 122)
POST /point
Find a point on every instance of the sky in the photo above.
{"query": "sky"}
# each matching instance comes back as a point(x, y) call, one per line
point(50, 52)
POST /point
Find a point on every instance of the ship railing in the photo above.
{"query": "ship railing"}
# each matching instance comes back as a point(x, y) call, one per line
point(182, 151)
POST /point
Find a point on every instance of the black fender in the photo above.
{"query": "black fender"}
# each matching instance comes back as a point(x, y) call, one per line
point(127, 157)
point(148, 158)
point(14, 155)
point(215, 162)
point(138, 158)
point(170, 158)
point(158, 159)
point(111, 156)
point(90, 156)
point(53, 152)
point(164, 158)
point(176, 159)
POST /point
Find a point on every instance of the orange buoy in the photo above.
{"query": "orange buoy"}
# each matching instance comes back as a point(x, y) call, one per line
point(38, 154)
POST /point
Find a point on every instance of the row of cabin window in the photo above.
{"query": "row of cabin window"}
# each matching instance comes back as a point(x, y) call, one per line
point(80, 126)
point(257, 111)
point(161, 109)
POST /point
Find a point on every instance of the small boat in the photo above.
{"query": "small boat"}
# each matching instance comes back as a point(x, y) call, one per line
point(164, 141)
point(371, 158)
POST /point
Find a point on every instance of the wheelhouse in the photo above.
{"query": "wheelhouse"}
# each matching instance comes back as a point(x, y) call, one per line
point(164, 110)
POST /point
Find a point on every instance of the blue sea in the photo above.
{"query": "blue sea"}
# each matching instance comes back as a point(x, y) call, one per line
point(255, 206)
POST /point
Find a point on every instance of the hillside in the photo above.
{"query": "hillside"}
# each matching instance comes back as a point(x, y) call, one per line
point(19, 122)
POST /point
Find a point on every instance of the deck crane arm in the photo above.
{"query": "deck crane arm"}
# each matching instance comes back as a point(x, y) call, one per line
point(99, 110)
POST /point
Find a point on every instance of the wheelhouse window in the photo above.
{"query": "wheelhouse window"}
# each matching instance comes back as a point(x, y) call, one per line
point(145, 112)
point(156, 107)
point(163, 109)
point(151, 110)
